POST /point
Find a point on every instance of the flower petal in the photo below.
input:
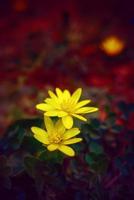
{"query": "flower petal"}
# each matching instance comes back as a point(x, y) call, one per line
point(59, 92)
point(40, 135)
point(53, 103)
point(60, 127)
point(71, 133)
point(67, 121)
point(44, 107)
point(51, 113)
point(52, 147)
point(82, 103)
point(72, 141)
point(61, 113)
point(76, 95)
point(86, 110)
point(52, 95)
point(48, 123)
point(67, 150)
point(80, 117)
point(49, 101)
point(66, 95)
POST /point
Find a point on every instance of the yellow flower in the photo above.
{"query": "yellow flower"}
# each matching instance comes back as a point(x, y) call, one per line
point(64, 105)
point(57, 137)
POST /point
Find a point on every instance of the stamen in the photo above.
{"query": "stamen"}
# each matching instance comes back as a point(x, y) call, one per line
point(55, 138)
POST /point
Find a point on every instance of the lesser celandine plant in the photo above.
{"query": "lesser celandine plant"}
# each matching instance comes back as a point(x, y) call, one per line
point(56, 136)
point(64, 106)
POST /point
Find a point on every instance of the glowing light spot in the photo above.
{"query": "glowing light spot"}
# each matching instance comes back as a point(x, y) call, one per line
point(112, 46)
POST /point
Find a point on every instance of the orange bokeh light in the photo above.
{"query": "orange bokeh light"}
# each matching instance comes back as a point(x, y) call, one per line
point(112, 45)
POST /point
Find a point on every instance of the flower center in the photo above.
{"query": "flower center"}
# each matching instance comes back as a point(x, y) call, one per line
point(66, 106)
point(55, 138)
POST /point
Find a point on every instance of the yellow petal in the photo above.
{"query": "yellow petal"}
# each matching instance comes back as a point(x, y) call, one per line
point(66, 94)
point(67, 150)
point(76, 95)
point(71, 133)
point(61, 113)
point(51, 113)
point(44, 107)
point(80, 117)
point(60, 127)
point(52, 147)
point(86, 110)
point(82, 103)
point(40, 135)
point(67, 121)
point(59, 92)
point(52, 95)
point(49, 101)
point(56, 100)
point(53, 103)
point(48, 123)
point(72, 141)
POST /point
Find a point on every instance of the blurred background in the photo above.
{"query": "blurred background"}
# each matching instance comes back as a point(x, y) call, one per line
point(66, 44)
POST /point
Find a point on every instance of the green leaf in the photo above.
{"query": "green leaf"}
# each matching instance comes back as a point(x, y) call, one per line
point(100, 166)
point(31, 145)
point(52, 157)
point(13, 138)
point(95, 123)
point(78, 147)
point(96, 148)
point(30, 165)
point(16, 162)
point(17, 139)
point(89, 159)
point(94, 135)
point(98, 163)
point(91, 131)
point(27, 123)
point(36, 169)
